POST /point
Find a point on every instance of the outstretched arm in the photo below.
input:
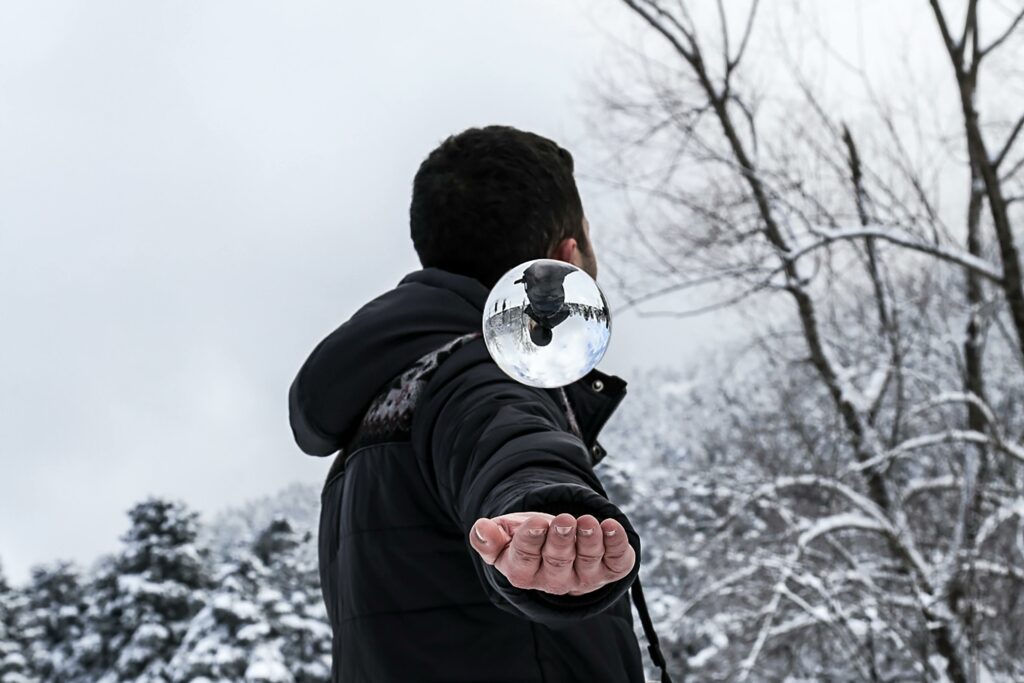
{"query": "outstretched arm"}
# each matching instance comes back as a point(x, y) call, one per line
point(503, 462)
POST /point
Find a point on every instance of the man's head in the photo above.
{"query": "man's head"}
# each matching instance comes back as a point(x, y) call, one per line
point(545, 286)
point(491, 198)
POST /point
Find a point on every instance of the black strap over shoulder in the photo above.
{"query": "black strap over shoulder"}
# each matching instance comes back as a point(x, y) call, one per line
point(653, 647)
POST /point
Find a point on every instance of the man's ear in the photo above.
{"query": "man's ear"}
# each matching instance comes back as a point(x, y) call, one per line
point(566, 250)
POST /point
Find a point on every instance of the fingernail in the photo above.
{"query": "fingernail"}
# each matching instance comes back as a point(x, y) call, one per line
point(535, 532)
point(585, 532)
point(609, 532)
point(564, 530)
point(477, 532)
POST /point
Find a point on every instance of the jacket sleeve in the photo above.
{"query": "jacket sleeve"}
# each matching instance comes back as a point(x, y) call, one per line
point(492, 446)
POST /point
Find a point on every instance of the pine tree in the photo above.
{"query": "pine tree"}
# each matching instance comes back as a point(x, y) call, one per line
point(225, 636)
point(14, 664)
point(292, 601)
point(53, 619)
point(148, 612)
point(141, 600)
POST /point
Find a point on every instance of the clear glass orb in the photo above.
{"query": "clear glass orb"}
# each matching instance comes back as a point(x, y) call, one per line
point(546, 323)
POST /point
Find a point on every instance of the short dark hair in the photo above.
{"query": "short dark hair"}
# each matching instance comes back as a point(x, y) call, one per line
point(491, 198)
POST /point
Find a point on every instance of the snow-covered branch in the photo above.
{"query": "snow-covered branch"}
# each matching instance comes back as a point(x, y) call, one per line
point(845, 520)
point(897, 237)
point(998, 518)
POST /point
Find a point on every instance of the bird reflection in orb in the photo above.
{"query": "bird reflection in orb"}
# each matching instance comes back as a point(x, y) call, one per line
point(546, 323)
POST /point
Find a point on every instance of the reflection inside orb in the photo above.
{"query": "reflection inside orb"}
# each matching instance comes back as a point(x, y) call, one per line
point(546, 323)
point(545, 289)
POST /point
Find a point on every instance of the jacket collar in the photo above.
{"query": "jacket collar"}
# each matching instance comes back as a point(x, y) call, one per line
point(594, 399)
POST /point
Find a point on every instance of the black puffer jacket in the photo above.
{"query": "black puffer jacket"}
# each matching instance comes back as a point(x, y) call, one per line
point(408, 598)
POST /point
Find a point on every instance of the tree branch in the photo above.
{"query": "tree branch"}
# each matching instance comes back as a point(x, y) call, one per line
point(1004, 35)
point(1009, 142)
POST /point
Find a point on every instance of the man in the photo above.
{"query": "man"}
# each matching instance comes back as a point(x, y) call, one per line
point(464, 535)
point(545, 289)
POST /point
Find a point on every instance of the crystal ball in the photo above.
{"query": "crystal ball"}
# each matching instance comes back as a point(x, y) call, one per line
point(546, 323)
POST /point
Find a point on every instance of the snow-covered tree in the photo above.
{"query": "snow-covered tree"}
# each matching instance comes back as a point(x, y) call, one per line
point(14, 663)
point(293, 605)
point(853, 497)
point(230, 533)
point(227, 635)
point(142, 599)
point(53, 619)
point(263, 620)
point(242, 604)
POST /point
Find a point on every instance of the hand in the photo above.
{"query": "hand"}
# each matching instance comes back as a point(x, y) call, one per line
point(530, 549)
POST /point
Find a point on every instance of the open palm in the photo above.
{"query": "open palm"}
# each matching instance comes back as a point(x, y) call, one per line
point(557, 554)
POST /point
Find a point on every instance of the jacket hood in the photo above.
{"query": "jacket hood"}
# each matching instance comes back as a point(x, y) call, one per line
point(345, 371)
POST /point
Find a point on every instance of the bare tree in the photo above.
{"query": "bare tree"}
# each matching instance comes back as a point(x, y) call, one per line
point(919, 451)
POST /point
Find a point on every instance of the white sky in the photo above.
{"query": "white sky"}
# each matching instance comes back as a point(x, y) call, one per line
point(193, 194)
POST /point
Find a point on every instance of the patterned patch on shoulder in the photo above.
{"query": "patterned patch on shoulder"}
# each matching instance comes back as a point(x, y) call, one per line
point(389, 417)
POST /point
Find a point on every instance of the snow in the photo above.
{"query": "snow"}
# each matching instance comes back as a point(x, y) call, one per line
point(268, 666)
point(17, 678)
point(874, 386)
point(253, 632)
point(268, 672)
point(701, 658)
point(151, 632)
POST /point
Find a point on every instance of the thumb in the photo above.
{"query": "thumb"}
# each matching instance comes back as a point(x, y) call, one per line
point(488, 539)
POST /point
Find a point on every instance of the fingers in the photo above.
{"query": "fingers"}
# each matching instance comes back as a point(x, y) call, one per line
point(558, 554)
point(488, 538)
point(589, 552)
point(522, 561)
point(618, 553)
point(511, 521)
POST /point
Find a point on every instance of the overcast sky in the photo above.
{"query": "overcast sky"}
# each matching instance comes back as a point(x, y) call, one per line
point(193, 194)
